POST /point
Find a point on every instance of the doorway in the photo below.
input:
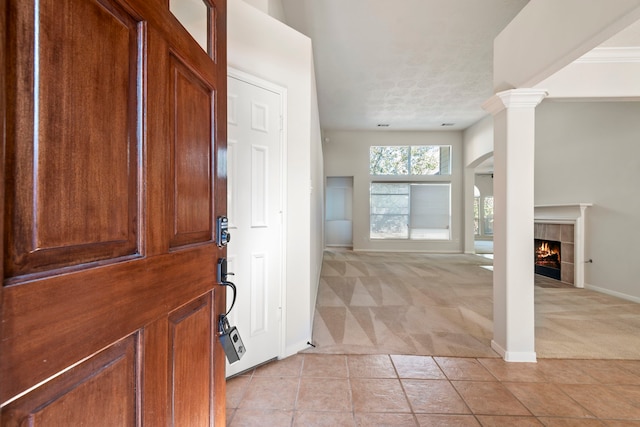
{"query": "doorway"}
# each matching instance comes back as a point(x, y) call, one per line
point(483, 213)
point(338, 211)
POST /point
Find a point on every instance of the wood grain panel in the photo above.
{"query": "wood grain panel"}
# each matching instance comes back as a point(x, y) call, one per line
point(156, 373)
point(191, 347)
point(104, 386)
point(95, 307)
point(192, 156)
point(73, 154)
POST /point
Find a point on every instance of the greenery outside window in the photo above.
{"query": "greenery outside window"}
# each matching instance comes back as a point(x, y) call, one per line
point(389, 210)
point(414, 160)
point(488, 216)
point(476, 211)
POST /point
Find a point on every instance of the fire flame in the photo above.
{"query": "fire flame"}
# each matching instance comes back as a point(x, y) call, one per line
point(546, 253)
point(544, 250)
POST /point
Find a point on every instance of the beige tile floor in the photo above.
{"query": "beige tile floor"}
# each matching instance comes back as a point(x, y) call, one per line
point(409, 390)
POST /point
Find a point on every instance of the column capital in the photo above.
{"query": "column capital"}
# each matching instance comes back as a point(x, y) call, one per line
point(514, 98)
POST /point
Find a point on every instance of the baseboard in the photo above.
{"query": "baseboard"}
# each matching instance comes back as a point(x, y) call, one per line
point(292, 349)
point(514, 356)
point(497, 348)
point(417, 251)
point(612, 293)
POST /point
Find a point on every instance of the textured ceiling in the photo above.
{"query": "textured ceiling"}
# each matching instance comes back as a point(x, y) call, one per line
point(412, 64)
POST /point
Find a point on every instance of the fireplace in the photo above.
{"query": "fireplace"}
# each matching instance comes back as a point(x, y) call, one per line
point(548, 258)
point(565, 224)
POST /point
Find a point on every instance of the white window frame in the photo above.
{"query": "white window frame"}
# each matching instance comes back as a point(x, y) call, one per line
point(444, 168)
point(410, 230)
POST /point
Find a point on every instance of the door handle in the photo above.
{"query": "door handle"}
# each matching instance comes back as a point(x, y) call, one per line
point(222, 271)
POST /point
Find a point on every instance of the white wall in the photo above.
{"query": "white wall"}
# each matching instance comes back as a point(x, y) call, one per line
point(347, 154)
point(485, 184)
point(547, 35)
point(590, 152)
point(589, 78)
point(270, 7)
point(260, 45)
point(478, 142)
point(317, 197)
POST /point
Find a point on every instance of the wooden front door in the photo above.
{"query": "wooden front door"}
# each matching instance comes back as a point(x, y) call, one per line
point(114, 146)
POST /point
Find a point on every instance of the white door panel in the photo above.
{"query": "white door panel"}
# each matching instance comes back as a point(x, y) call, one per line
point(254, 189)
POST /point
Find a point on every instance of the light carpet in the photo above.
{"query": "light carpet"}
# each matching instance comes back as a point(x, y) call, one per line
point(441, 305)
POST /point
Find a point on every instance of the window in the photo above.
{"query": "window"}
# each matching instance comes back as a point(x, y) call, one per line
point(415, 211)
point(193, 15)
point(415, 160)
point(488, 216)
point(476, 211)
point(389, 211)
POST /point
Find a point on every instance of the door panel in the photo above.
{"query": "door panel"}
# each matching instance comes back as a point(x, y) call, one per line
point(192, 161)
point(255, 208)
point(189, 348)
point(113, 175)
point(69, 317)
point(55, 403)
point(77, 160)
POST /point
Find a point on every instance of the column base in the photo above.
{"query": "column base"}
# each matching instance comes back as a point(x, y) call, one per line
point(514, 356)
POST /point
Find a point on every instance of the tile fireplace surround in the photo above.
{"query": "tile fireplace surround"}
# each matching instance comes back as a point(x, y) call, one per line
point(565, 224)
point(562, 233)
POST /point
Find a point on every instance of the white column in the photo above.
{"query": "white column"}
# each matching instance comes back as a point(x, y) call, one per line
point(513, 270)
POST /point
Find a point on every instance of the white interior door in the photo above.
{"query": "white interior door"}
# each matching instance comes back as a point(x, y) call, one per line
point(254, 170)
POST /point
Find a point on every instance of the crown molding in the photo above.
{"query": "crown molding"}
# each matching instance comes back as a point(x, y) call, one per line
point(610, 55)
point(514, 98)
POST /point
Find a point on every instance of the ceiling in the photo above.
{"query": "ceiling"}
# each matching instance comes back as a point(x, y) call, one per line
point(409, 64)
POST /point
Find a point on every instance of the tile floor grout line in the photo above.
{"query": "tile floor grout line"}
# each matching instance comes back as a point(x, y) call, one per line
point(574, 400)
point(353, 406)
point(459, 394)
point(243, 394)
point(516, 397)
point(404, 390)
point(295, 401)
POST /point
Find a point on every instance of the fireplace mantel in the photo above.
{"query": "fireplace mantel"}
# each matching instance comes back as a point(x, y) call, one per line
point(574, 214)
point(566, 214)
